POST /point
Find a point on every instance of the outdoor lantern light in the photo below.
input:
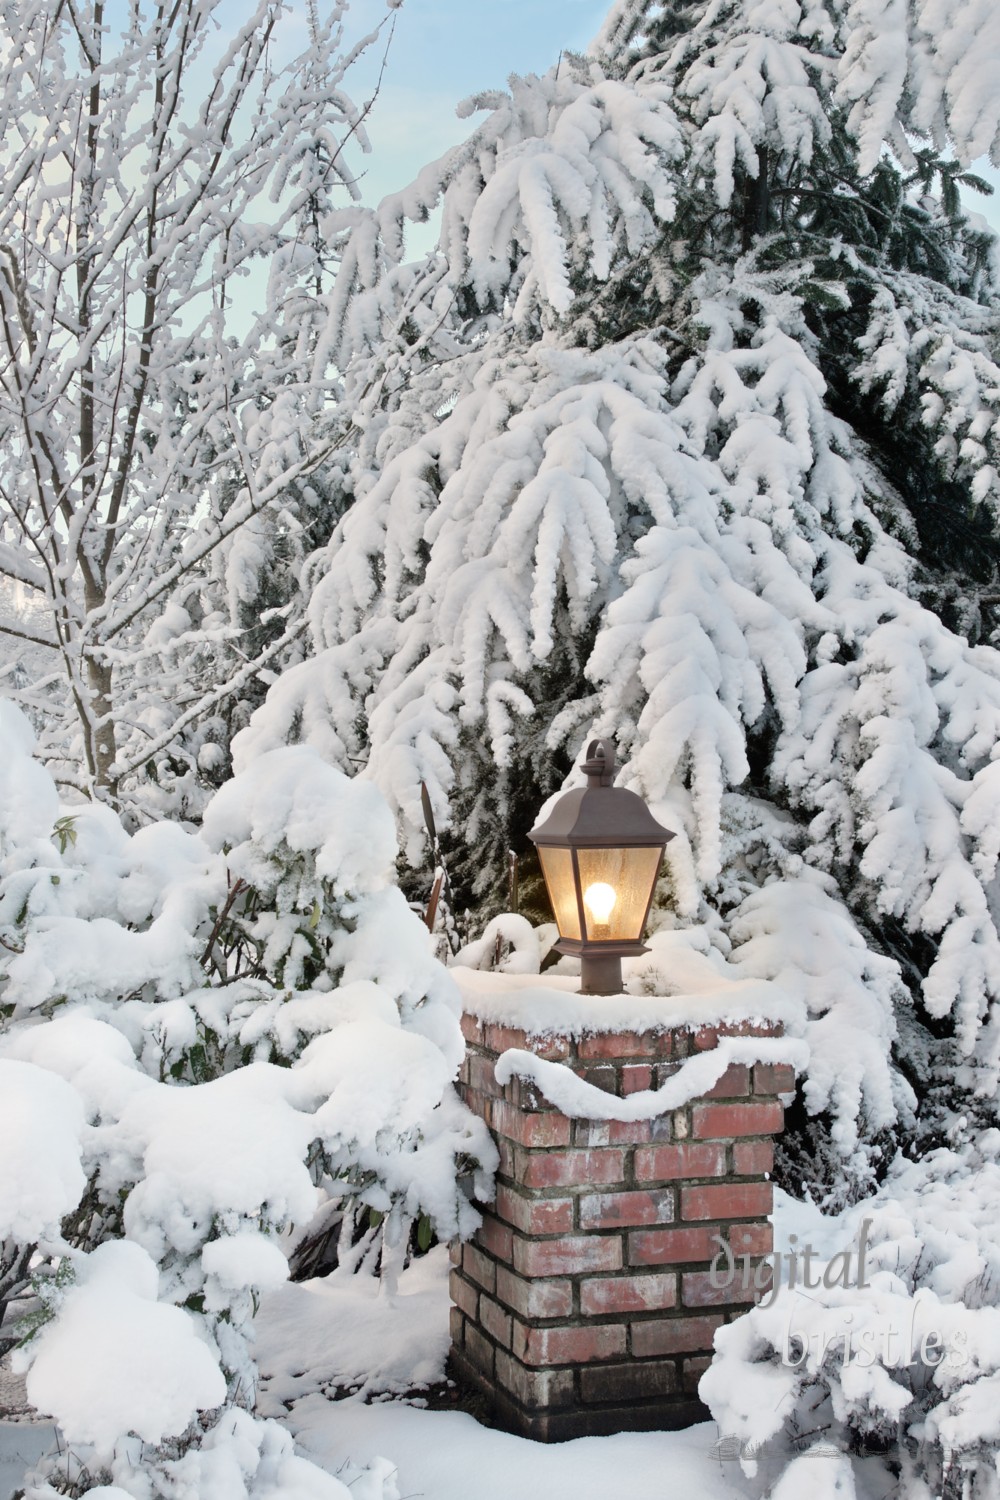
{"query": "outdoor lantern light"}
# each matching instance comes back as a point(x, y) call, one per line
point(600, 850)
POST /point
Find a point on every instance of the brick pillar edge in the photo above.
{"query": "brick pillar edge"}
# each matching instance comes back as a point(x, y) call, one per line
point(583, 1305)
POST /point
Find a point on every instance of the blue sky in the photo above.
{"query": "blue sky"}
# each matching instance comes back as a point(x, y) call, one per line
point(444, 50)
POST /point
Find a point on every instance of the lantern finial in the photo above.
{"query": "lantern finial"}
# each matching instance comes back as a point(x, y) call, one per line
point(599, 763)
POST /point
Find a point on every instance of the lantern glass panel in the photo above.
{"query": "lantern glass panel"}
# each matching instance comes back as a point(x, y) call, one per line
point(557, 867)
point(616, 886)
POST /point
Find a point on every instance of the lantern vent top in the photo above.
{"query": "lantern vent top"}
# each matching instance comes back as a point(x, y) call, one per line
point(599, 763)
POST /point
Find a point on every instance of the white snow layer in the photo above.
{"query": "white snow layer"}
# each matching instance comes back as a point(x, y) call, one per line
point(116, 1360)
point(583, 1101)
point(551, 1004)
point(41, 1176)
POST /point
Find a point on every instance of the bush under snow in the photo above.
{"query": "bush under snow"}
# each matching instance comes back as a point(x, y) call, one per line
point(208, 1043)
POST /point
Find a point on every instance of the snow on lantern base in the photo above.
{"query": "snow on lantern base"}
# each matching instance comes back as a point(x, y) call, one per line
point(586, 1303)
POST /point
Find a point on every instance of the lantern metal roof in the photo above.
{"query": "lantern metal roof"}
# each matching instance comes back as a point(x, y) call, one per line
point(600, 815)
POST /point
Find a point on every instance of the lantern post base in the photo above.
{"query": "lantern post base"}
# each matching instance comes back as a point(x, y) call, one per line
point(600, 974)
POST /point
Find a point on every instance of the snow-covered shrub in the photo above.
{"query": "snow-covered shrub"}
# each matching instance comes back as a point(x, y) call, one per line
point(510, 944)
point(213, 1039)
point(908, 1364)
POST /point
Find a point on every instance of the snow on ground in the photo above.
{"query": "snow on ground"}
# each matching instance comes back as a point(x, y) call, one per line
point(341, 1331)
point(323, 1335)
point(449, 1456)
point(317, 1335)
point(21, 1446)
point(327, 1333)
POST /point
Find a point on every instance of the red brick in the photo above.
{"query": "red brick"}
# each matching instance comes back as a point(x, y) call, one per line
point(603, 1076)
point(634, 1132)
point(479, 1349)
point(472, 1029)
point(612, 1210)
point(655, 1336)
point(625, 1294)
point(499, 1038)
point(524, 1094)
point(567, 1346)
point(697, 1290)
point(705, 1038)
point(552, 1048)
point(463, 1294)
point(530, 1129)
point(734, 1082)
point(534, 1388)
point(712, 1121)
point(569, 1256)
point(611, 1044)
point(751, 1239)
point(615, 1044)
point(482, 1074)
point(535, 1215)
point(479, 1268)
point(773, 1078)
point(628, 1382)
point(694, 1369)
point(697, 1159)
point(665, 1247)
point(495, 1237)
point(456, 1325)
point(635, 1077)
point(750, 1028)
point(727, 1200)
point(753, 1158)
point(508, 1159)
point(572, 1169)
point(455, 1252)
point(534, 1299)
point(496, 1322)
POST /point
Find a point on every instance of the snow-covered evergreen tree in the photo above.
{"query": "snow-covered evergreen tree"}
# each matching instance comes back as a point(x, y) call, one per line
point(687, 433)
point(635, 466)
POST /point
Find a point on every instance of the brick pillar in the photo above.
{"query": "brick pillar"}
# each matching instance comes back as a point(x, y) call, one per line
point(583, 1306)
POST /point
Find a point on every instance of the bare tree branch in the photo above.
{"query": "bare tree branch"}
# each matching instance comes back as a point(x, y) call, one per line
point(24, 632)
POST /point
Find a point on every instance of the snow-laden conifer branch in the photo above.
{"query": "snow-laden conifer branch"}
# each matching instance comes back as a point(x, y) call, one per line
point(681, 536)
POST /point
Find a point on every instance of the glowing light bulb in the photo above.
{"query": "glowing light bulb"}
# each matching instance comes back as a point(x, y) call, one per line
point(599, 899)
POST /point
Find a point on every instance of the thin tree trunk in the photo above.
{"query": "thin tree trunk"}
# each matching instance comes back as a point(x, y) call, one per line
point(757, 201)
